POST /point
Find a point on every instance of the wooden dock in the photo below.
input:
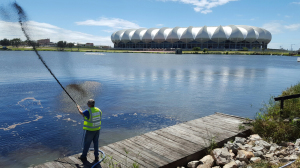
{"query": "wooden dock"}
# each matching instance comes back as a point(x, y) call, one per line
point(168, 147)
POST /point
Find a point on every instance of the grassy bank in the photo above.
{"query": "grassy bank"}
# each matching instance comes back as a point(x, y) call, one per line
point(94, 49)
point(81, 49)
point(241, 53)
point(272, 126)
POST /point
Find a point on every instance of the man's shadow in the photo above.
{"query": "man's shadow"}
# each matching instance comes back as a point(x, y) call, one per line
point(87, 164)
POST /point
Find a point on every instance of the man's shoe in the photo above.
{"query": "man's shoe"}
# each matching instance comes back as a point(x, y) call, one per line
point(96, 159)
point(83, 159)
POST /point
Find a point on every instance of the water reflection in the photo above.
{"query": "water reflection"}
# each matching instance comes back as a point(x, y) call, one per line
point(206, 75)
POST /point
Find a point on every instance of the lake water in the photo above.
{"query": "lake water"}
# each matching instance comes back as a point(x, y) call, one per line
point(137, 93)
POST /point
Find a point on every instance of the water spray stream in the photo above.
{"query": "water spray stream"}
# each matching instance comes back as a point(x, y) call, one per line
point(22, 19)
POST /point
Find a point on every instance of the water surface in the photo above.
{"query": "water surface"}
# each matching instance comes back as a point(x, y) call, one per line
point(137, 93)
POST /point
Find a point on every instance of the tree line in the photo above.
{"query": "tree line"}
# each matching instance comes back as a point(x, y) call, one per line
point(16, 42)
point(63, 44)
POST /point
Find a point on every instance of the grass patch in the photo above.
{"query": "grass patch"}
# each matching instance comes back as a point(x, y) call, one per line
point(210, 142)
point(270, 125)
point(110, 162)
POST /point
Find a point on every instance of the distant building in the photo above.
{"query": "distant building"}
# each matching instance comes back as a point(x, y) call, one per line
point(43, 42)
point(79, 45)
point(89, 44)
point(51, 44)
point(211, 37)
point(104, 47)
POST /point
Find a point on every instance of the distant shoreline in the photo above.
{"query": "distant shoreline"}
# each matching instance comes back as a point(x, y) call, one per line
point(266, 52)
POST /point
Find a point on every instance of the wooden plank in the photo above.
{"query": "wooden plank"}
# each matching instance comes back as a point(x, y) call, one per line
point(206, 129)
point(168, 143)
point(189, 144)
point(188, 131)
point(129, 154)
point(70, 162)
point(228, 123)
point(228, 120)
point(76, 161)
point(90, 156)
point(164, 144)
point(243, 120)
point(41, 166)
point(209, 133)
point(287, 97)
point(177, 136)
point(118, 157)
point(58, 164)
point(121, 149)
point(232, 116)
point(184, 135)
point(64, 162)
point(212, 122)
point(146, 153)
point(153, 147)
point(147, 143)
point(50, 164)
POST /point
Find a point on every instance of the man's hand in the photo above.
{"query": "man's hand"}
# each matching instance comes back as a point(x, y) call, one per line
point(79, 109)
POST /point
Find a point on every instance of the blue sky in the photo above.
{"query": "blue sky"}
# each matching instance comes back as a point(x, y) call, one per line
point(95, 20)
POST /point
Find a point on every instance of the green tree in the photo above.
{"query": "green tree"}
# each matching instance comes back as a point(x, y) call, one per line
point(16, 42)
point(245, 48)
point(5, 42)
point(196, 49)
point(61, 45)
point(78, 46)
point(205, 50)
point(71, 45)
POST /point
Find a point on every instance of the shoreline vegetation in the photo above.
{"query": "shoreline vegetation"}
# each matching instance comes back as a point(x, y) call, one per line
point(273, 125)
point(275, 139)
point(205, 51)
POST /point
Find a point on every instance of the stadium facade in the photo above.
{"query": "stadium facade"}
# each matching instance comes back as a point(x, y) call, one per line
point(219, 37)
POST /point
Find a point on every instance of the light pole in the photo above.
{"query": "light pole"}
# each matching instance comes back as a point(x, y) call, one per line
point(292, 47)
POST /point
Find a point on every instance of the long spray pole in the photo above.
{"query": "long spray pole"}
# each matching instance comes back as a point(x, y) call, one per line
point(20, 13)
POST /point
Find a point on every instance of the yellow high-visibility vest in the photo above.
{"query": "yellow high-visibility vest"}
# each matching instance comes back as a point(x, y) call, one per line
point(94, 122)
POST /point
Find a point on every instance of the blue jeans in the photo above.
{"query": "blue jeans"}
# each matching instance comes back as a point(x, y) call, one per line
point(88, 138)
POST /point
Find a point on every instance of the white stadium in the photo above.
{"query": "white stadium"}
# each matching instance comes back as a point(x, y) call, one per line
point(220, 37)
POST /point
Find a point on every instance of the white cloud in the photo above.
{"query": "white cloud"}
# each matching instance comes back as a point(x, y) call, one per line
point(203, 6)
point(44, 30)
point(159, 25)
point(274, 27)
point(114, 23)
point(293, 27)
point(298, 3)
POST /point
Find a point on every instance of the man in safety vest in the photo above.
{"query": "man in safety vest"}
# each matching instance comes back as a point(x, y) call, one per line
point(91, 125)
